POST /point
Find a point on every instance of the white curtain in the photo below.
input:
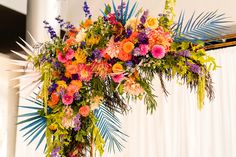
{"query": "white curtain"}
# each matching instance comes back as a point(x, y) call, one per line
point(178, 128)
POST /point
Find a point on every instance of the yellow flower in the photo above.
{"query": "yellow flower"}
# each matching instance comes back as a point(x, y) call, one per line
point(151, 22)
point(52, 127)
point(92, 40)
point(117, 68)
point(61, 84)
point(133, 23)
point(80, 57)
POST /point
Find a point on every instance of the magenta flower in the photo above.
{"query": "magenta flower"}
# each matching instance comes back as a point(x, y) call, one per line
point(61, 58)
point(143, 49)
point(67, 99)
point(70, 54)
point(118, 78)
point(158, 51)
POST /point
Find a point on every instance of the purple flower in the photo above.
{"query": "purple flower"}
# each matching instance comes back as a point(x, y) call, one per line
point(64, 78)
point(77, 96)
point(194, 68)
point(55, 152)
point(97, 54)
point(77, 122)
point(82, 44)
point(142, 38)
point(52, 87)
point(50, 30)
point(86, 10)
point(122, 6)
point(129, 63)
point(75, 76)
point(136, 59)
point(128, 32)
point(184, 53)
point(136, 51)
point(144, 17)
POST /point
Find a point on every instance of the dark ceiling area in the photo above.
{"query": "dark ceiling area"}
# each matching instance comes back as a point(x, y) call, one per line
point(12, 26)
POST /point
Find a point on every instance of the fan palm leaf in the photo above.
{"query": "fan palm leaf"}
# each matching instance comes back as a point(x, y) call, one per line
point(109, 126)
point(33, 122)
point(205, 26)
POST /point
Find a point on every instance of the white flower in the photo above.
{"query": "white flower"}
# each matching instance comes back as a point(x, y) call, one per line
point(133, 23)
point(81, 35)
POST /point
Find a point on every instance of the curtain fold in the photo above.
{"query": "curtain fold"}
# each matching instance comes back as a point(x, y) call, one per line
point(178, 128)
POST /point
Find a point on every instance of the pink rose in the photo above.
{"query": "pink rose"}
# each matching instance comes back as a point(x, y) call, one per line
point(70, 54)
point(143, 49)
point(118, 78)
point(67, 99)
point(158, 51)
point(84, 111)
point(61, 58)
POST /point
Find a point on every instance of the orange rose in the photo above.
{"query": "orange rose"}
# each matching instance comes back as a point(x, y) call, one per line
point(124, 56)
point(84, 111)
point(117, 68)
point(128, 47)
point(54, 100)
point(77, 83)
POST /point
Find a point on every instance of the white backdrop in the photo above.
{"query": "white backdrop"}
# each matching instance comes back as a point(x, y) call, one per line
point(178, 128)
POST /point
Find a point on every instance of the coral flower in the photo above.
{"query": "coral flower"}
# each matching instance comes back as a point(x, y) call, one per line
point(70, 41)
point(67, 99)
point(55, 98)
point(84, 111)
point(61, 58)
point(70, 54)
point(158, 51)
point(128, 47)
point(72, 69)
point(143, 49)
point(101, 69)
point(117, 68)
point(124, 56)
point(118, 78)
point(85, 72)
point(72, 89)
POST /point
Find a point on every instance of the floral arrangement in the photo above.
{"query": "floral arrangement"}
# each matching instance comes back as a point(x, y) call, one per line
point(91, 72)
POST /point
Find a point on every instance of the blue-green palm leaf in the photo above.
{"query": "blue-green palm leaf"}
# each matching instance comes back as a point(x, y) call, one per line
point(205, 26)
point(34, 123)
point(110, 128)
point(122, 14)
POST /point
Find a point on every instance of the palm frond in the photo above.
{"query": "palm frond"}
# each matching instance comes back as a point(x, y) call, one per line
point(109, 126)
point(33, 122)
point(205, 26)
